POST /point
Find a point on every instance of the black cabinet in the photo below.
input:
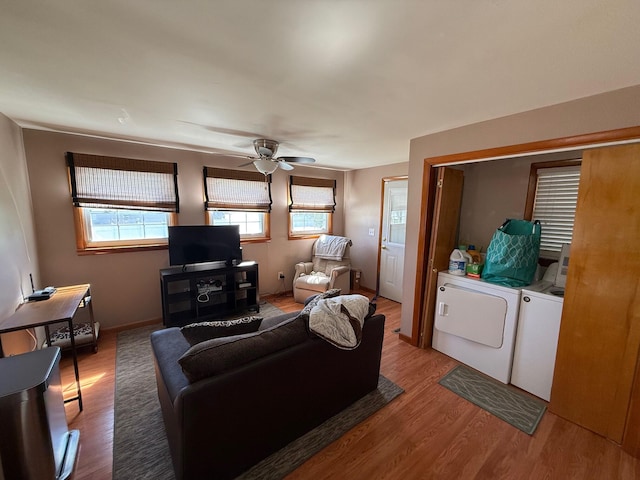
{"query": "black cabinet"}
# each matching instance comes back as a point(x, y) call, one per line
point(207, 291)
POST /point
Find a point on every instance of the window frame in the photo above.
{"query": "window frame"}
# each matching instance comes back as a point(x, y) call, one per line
point(247, 238)
point(84, 246)
point(546, 256)
point(328, 209)
point(238, 175)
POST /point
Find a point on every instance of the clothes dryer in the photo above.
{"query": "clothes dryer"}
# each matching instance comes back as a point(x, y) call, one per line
point(475, 322)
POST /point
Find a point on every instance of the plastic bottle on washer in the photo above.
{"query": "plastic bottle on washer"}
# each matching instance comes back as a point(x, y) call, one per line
point(457, 263)
point(463, 249)
point(475, 255)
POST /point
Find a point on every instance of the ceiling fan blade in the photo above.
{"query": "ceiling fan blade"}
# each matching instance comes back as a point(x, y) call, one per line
point(245, 164)
point(297, 159)
point(284, 165)
point(222, 130)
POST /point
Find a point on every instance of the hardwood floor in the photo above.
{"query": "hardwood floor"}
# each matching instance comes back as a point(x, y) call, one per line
point(426, 433)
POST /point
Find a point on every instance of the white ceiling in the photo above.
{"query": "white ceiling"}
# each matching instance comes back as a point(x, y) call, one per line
point(346, 82)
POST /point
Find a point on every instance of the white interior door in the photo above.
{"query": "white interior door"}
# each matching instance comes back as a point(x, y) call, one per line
point(392, 239)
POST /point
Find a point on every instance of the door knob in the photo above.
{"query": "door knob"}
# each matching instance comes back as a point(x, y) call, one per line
point(383, 247)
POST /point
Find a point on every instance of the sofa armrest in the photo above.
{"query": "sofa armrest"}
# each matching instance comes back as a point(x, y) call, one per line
point(335, 272)
point(302, 268)
point(340, 279)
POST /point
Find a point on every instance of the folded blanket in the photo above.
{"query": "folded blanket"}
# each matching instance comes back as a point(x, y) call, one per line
point(339, 320)
point(331, 247)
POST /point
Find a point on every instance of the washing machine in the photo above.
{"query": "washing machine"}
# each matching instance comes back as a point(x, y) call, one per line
point(534, 356)
point(475, 322)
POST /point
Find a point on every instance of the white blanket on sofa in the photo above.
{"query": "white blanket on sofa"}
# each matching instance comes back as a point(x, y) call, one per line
point(339, 320)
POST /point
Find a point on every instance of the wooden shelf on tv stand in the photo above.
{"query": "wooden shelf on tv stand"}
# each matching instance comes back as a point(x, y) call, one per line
point(208, 291)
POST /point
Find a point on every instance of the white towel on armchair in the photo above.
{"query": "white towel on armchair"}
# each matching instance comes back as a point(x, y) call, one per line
point(331, 247)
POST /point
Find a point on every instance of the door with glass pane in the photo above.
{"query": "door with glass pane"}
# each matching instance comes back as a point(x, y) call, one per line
point(392, 239)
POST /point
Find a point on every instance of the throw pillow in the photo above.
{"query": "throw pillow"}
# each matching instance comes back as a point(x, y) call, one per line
point(221, 354)
point(202, 331)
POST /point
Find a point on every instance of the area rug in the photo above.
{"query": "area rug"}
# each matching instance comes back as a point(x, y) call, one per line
point(140, 448)
point(503, 401)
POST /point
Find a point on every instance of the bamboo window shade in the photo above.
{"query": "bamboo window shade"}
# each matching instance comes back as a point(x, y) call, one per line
point(232, 190)
point(312, 194)
point(124, 183)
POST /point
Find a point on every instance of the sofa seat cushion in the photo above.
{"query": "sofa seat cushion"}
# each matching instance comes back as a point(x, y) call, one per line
point(313, 282)
point(218, 355)
point(202, 331)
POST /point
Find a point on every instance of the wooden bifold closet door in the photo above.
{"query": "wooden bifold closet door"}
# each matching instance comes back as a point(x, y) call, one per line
point(599, 339)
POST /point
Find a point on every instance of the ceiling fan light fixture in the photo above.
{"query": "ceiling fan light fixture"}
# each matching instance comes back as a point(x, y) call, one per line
point(264, 166)
point(265, 147)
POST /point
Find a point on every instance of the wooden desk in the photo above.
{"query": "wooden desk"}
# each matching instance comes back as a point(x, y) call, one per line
point(61, 307)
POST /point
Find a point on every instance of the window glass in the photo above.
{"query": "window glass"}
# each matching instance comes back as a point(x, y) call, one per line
point(252, 224)
point(309, 222)
point(554, 205)
point(114, 225)
point(397, 217)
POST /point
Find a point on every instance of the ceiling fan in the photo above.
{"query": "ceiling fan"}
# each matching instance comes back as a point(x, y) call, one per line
point(267, 163)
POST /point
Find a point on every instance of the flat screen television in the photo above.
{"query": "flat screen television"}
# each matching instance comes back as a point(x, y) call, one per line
point(190, 244)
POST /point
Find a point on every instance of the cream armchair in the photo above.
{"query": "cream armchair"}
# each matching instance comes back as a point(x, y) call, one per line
point(322, 274)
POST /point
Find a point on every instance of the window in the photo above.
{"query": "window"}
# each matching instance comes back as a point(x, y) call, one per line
point(121, 203)
point(553, 203)
point(312, 203)
point(234, 197)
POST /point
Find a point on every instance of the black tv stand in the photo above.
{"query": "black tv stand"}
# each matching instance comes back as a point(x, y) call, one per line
point(207, 291)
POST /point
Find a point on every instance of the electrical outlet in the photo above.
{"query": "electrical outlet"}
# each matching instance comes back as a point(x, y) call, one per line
point(280, 275)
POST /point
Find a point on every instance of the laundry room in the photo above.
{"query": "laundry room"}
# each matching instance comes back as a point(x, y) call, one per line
point(593, 379)
point(479, 322)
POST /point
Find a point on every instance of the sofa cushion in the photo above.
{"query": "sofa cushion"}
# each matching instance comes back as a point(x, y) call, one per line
point(201, 331)
point(277, 319)
point(313, 282)
point(218, 355)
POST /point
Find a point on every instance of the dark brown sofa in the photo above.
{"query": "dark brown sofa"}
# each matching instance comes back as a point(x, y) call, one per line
point(219, 426)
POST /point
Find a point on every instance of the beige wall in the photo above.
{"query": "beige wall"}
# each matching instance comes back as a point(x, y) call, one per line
point(363, 197)
point(18, 255)
point(125, 286)
point(608, 111)
point(494, 191)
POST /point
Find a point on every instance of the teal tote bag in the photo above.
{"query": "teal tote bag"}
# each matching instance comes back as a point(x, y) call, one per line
point(512, 256)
